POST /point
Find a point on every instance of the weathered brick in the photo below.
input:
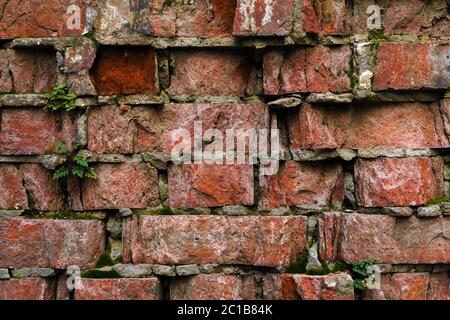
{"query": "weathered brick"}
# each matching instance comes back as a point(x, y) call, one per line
point(303, 183)
point(410, 66)
point(29, 131)
point(50, 243)
point(122, 185)
point(439, 286)
point(398, 181)
point(394, 240)
point(213, 72)
point(368, 125)
point(27, 71)
point(214, 185)
point(126, 70)
point(119, 289)
point(259, 241)
point(329, 228)
point(305, 287)
point(327, 17)
point(213, 287)
point(263, 18)
point(27, 289)
point(312, 69)
point(32, 18)
point(401, 286)
point(12, 191)
point(415, 17)
point(45, 192)
point(147, 129)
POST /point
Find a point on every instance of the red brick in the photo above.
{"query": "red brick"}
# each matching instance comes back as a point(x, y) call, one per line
point(147, 129)
point(280, 287)
point(126, 70)
point(192, 186)
point(329, 228)
point(398, 181)
point(124, 185)
point(394, 240)
point(401, 286)
point(415, 17)
point(50, 243)
point(439, 286)
point(27, 289)
point(31, 131)
point(410, 66)
point(28, 71)
point(303, 183)
point(119, 289)
point(12, 191)
point(327, 17)
point(45, 192)
point(32, 18)
point(369, 125)
point(312, 69)
point(213, 72)
point(255, 240)
point(213, 287)
point(79, 58)
point(263, 17)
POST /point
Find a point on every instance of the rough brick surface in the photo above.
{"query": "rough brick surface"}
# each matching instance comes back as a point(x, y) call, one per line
point(410, 66)
point(261, 241)
point(50, 243)
point(303, 183)
point(233, 72)
point(121, 70)
point(31, 18)
point(25, 131)
point(27, 289)
point(119, 289)
point(12, 191)
point(368, 125)
point(398, 181)
point(213, 287)
point(394, 240)
point(122, 185)
point(401, 286)
point(304, 287)
point(192, 186)
point(311, 69)
point(328, 17)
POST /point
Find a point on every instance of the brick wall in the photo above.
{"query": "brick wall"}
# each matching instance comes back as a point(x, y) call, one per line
point(364, 172)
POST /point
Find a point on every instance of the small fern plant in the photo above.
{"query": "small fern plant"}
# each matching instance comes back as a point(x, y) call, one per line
point(74, 164)
point(361, 273)
point(59, 98)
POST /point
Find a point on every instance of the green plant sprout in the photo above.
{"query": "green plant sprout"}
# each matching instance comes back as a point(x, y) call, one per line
point(59, 98)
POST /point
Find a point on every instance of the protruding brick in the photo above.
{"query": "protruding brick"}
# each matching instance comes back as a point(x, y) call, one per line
point(27, 289)
point(119, 289)
point(398, 181)
point(413, 17)
point(369, 125)
point(45, 192)
point(411, 66)
point(32, 18)
point(213, 72)
point(121, 185)
point(263, 18)
point(304, 287)
point(50, 243)
point(192, 186)
point(401, 286)
point(394, 240)
point(213, 287)
point(329, 228)
point(12, 192)
point(126, 70)
point(255, 240)
point(303, 183)
point(30, 131)
point(327, 17)
point(312, 69)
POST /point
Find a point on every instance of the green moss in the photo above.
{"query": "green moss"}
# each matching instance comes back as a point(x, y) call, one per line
point(62, 215)
point(100, 274)
point(377, 35)
point(104, 260)
point(300, 265)
point(438, 200)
